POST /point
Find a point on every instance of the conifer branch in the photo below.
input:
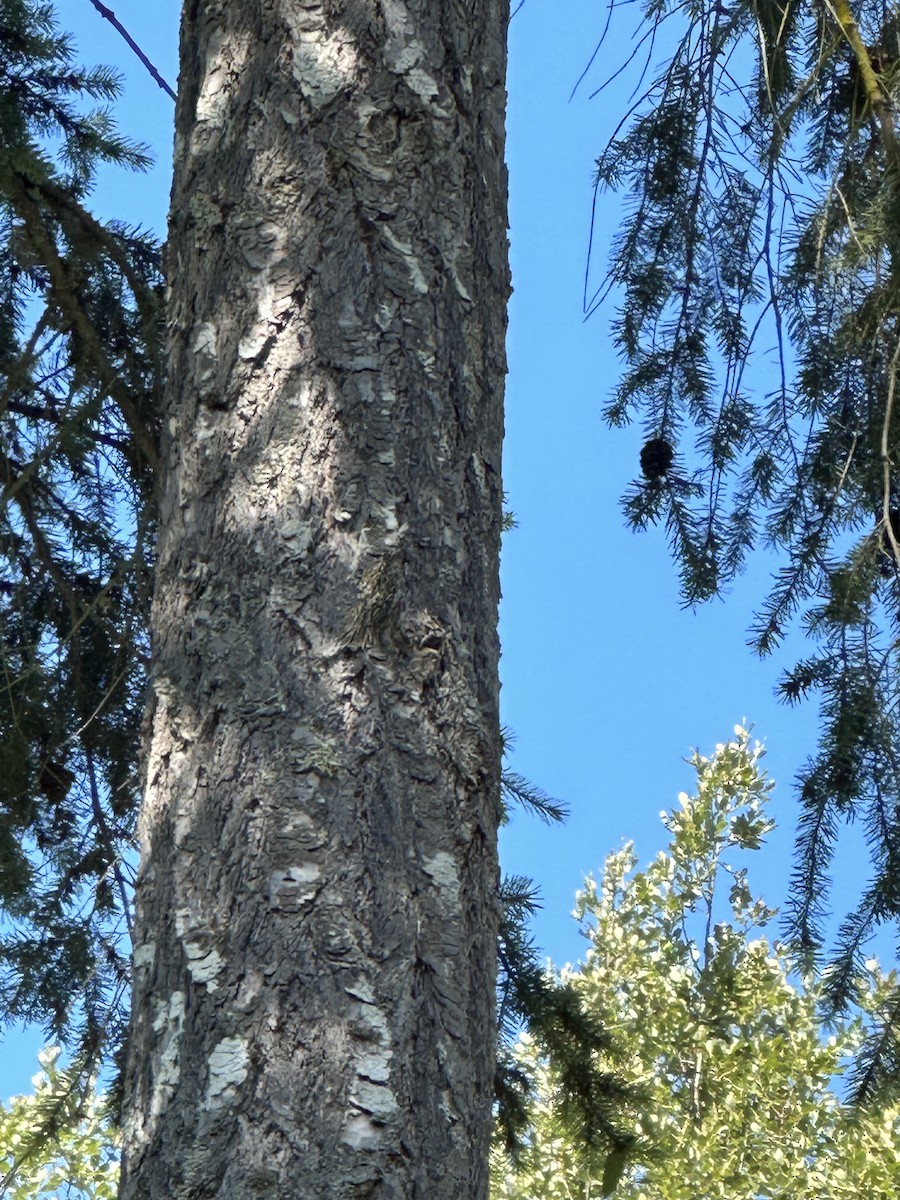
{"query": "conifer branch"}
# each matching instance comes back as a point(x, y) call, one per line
point(57, 417)
point(878, 101)
point(74, 314)
point(109, 842)
point(63, 202)
point(886, 503)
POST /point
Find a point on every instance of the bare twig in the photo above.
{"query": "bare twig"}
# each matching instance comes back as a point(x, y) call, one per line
point(120, 28)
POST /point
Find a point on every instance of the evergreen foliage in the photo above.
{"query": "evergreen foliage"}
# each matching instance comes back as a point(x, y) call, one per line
point(760, 173)
point(592, 1094)
point(80, 304)
point(716, 1027)
point(529, 997)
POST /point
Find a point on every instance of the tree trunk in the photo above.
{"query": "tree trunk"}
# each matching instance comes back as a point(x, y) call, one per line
point(315, 946)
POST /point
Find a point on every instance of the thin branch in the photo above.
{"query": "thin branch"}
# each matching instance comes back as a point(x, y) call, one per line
point(53, 415)
point(110, 16)
point(78, 320)
point(108, 839)
point(886, 457)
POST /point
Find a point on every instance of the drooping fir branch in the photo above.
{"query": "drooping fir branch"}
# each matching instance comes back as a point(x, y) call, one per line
point(760, 177)
point(876, 1069)
point(517, 791)
point(594, 1100)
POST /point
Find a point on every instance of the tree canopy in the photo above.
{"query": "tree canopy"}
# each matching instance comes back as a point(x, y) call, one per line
point(760, 169)
point(716, 1025)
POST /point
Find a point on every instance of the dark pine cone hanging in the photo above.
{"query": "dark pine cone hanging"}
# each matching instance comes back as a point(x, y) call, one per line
point(55, 781)
point(656, 458)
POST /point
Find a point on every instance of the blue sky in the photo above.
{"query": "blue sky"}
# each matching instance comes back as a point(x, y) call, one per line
point(607, 682)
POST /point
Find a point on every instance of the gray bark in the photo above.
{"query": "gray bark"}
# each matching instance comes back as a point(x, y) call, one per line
point(315, 949)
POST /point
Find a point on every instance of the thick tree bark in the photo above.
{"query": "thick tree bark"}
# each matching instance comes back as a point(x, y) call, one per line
point(316, 927)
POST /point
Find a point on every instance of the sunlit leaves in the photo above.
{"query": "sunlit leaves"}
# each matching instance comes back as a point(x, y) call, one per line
point(58, 1142)
point(714, 1019)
